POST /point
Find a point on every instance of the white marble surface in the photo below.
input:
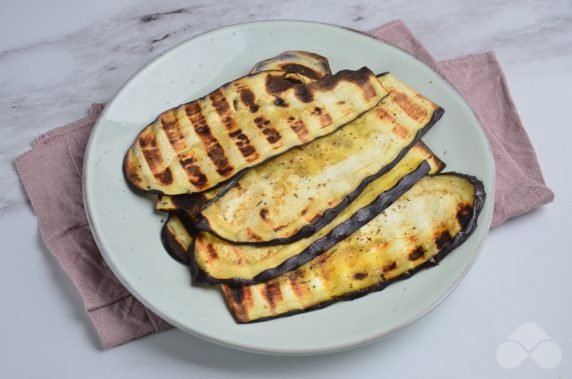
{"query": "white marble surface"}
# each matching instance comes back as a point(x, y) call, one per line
point(57, 57)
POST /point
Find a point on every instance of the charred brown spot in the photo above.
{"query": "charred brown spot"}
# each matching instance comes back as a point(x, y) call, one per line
point(280, 102)
point(382, 114)
point(243, 143)
point(248, 99)
point(264, 214)
point(279, 228)
point(214, 149)
point(304, 94)
point(443, 239)
point(464, 214)
point(272, 293)
point(361, 78)
point(389, 266)
point(147, 140)
point(417, 253)
point(196, 176)
point(360, 275)
point(304, 211)
point(223, 109)
point(252, 235)
point(300, 69)
point(212, 252)
point(340, 102)
point(299, 128)
point(271, 134)
point(277, 84)
point(413, 110)
point(295, 277)
point(317, 111)
point(165, 177)
point(400, 130)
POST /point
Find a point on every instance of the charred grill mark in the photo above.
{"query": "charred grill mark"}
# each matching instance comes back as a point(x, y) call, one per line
point(243, 143)
point(213, 147)
point(299, 128)
point(325, 120)
point(239, 299)
point(413, 110)
point(236, 293)
point(443, 239)
point(389, 266)
point(264, 214)
point(400, 130)
point(272, 293)
point(300, 69)
point(240, 139)
point(294, 278)
point(271, 134)
point(212, 252)
point(196, 176)
point(165, 177)
point(248, 99)
point(173, 132)
point(360, 275)
point(279, 228)
point(464, 212)
point(417, 253)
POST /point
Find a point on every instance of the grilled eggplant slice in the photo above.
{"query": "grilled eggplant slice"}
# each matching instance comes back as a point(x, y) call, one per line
point(311, 65)
point(302, 190)
point(418, 230)
point(198, 145)
point(177, 237)
point(214, 260)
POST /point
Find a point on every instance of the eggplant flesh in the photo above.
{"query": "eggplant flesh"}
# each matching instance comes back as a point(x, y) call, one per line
point(200, 144)
point(430, 220)
point(214, 260)
point(177, 237)
point(299, 192)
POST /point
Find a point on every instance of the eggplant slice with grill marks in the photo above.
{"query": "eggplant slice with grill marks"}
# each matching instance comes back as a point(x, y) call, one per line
point(302, 190)
point(214, 260)
point(198, 145)
point(310, 65)
point(430, 220)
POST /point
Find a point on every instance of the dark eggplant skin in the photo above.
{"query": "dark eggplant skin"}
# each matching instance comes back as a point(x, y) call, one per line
point(462, 236)
point(343, 230)
point(202, 224)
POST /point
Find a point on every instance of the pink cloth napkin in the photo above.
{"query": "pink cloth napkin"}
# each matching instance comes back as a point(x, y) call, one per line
point(51, 173)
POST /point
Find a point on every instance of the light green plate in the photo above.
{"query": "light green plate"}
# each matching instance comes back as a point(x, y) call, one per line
point(127, 230)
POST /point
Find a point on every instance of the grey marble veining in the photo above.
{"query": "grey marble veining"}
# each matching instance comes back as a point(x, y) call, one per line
point(49, 80)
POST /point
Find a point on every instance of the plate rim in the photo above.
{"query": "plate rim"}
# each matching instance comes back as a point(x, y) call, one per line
point(484, 223)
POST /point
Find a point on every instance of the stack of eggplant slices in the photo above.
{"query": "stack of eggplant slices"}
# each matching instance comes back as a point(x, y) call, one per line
point(292, 188)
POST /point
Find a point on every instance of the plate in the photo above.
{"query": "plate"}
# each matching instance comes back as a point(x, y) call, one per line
point(127, 229)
